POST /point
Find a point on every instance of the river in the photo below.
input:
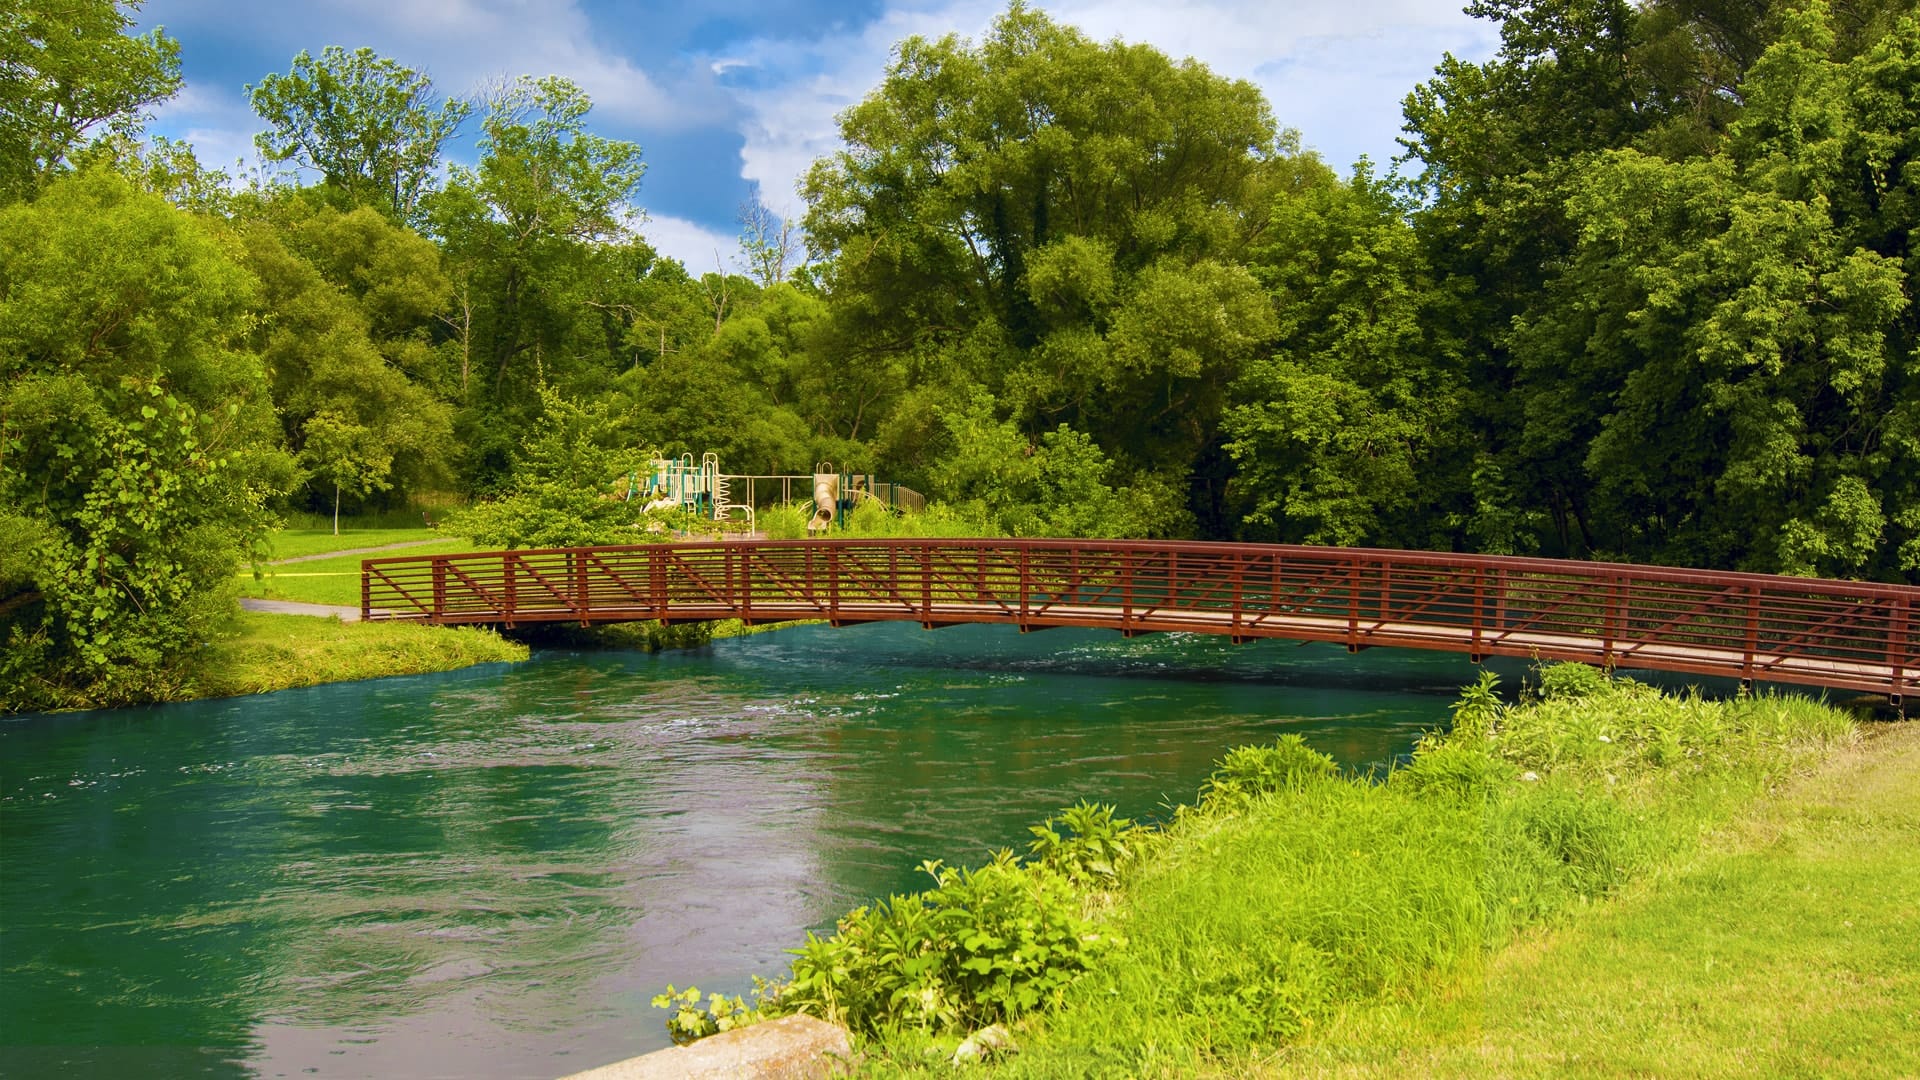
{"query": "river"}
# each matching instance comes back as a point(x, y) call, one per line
point(488, 873)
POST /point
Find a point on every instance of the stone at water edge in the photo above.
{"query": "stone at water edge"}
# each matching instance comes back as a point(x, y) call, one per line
point(790, 1048)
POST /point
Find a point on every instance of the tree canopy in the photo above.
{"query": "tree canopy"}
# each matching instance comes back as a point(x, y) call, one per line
point(1642, 287)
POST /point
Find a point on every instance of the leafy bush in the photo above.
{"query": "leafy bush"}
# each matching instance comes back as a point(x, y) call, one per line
point(1247, 771)
point(690, 1022)
point(1088, 844)
point(980, 947)
point(1572, 682)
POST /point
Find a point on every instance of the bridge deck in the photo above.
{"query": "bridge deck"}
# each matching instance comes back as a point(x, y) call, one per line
point(1847, 635)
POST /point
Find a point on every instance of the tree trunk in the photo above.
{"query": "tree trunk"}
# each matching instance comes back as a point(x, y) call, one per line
point(336, 508)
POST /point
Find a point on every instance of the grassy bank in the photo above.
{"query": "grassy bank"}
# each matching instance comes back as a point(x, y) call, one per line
point(278, 652)
point(1787, 944)
point(1297, 919)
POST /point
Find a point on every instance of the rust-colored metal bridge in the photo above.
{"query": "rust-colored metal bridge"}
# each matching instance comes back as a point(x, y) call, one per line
point(1840, 634)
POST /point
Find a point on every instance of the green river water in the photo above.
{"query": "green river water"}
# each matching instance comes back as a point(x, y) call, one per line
point(489, 872)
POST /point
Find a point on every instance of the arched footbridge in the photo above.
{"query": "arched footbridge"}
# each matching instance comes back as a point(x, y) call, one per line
point(1839, 634)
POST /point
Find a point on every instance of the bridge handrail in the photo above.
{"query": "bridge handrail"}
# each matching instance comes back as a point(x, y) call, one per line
point(1848, 634)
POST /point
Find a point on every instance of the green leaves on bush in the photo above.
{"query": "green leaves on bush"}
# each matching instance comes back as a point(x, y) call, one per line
point(1088, 844)
point(691, 1022)
point(980, 947)
point(1248, 771)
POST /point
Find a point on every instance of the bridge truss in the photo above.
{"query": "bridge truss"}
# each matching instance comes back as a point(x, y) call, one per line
point(1839, 634)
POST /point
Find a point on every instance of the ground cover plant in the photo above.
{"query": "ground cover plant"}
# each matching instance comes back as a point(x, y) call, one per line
point(1290, 896)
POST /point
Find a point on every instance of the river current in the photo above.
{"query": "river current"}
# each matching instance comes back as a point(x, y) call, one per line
point(488, 873)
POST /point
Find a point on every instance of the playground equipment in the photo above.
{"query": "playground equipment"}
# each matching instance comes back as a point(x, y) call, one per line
point(702, 490)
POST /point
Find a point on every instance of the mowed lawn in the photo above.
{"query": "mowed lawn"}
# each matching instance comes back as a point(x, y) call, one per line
point(295, 543)
point(1788, 946)
point(337, 580)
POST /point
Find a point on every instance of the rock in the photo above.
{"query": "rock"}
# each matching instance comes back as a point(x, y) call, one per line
point(790, 1048)
point(991, 1041)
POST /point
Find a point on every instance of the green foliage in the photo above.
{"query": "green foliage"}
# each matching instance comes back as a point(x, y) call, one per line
point(691, 1020)
point(982, 946)
point(136, 440)
point(366, 124)
point(1089, 844)
point(1054, 221)
point(70, 69)
point(562, 493)
point(1250, 771)
point(1346, 433)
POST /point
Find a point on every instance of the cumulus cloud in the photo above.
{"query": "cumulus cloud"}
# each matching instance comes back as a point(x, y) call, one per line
point(1332, 69)
point(700, 249)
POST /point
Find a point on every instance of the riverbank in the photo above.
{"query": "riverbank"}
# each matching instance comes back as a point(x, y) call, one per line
point(1787, 943)
point(269, 652)
point(1294, 920)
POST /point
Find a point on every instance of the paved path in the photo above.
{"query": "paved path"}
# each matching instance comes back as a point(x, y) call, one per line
point(288, 607)
point(357, 551)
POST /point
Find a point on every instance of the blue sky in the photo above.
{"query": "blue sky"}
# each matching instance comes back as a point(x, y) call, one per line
point(730, 100)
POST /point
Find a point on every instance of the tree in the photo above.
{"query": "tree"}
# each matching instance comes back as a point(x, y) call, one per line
point(524, 232)
point(1055, 221)
point(768, 243)
point(1729, 355)
point(354, 419)
point(370, 127)
point(1352, 430)
point(137, 440)
point(67, 69)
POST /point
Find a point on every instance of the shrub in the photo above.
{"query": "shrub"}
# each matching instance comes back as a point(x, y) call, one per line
point(1247, 771)
point(980, 947)
point(1088, 844)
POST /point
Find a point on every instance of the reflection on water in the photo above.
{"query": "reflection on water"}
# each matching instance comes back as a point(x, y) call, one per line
point(489, 872)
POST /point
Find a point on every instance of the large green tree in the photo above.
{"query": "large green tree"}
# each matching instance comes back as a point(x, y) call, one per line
point(137, 440)
point(68, 70)
point(1729, 355)
point(371, 127)
point(525, 233)
point(1353, 431)
point(1057, 221)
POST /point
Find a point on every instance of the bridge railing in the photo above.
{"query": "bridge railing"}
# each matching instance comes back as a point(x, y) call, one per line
point(1831, 633)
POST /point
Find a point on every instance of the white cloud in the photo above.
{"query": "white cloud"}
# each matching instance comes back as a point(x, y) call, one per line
point(700, 249)
point(1333, 69)
point(467, 44)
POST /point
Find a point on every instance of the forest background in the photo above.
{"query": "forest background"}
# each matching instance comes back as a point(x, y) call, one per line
point(1640, 288)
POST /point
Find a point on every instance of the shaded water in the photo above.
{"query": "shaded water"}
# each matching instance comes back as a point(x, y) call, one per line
point(489, 872)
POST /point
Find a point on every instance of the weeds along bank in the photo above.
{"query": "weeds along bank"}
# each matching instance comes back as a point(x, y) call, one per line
point(1288, 894)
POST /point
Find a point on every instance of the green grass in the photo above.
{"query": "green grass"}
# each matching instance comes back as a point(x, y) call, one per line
point(1786, 945)
point(1330, 925)
point(330, 581)
point(276, 652)
point(293, 543)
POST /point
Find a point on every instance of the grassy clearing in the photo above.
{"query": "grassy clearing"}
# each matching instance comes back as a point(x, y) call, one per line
point(277, 652)
point(329, 581)
point(295, 543)
point(1298, 920)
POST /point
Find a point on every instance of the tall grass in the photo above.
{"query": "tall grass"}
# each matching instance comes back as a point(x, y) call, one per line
point(1289, 893)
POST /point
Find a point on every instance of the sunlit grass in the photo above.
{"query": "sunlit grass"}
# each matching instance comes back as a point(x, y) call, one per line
point(1345, 925)
point(330, 581)
point(294, 543)
point(275, 652)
